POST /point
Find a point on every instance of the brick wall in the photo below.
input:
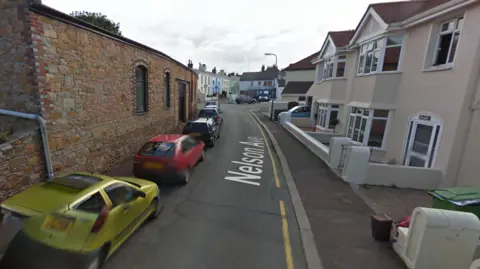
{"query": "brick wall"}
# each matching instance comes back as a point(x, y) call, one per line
point(21, 163)
point(87, 87)
point(17, 77)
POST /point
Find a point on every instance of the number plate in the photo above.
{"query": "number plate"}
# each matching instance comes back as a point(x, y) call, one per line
point(58, 223)
point(153, 165)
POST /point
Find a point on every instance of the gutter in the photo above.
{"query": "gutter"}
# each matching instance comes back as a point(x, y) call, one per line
point(436, 11)
point(43, 131)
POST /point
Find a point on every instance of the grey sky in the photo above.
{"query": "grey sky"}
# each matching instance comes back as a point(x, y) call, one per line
point(231, 35)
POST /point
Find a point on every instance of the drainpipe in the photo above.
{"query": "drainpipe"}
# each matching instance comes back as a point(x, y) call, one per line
point(43, 131)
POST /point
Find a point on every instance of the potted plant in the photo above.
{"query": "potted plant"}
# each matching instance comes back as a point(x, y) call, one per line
point(334, 123)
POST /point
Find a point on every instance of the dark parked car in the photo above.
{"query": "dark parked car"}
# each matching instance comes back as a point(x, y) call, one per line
point(211, 113)
point(245, 99)
point(203, 129)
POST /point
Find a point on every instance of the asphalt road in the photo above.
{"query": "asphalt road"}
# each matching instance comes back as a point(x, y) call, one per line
point(213, 222)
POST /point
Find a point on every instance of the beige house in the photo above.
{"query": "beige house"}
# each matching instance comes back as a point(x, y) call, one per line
point(407, 85)
point(298, 79)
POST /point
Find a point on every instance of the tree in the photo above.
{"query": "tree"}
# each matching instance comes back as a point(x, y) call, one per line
point(98, 19)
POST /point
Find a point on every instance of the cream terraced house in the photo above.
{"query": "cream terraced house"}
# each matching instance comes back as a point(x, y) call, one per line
point(406, 84)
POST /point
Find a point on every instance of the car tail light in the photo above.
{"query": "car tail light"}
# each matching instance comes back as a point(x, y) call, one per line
point(100, 221)
point(217, 118)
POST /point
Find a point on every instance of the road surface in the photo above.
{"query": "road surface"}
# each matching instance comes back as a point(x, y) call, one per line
point(229, 215)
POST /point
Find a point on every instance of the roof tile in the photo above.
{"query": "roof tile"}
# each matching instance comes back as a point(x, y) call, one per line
point(303, 64)
point(392, 12)
point(341, 38)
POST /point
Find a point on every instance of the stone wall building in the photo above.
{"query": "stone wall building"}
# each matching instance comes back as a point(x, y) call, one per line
point(102, 95)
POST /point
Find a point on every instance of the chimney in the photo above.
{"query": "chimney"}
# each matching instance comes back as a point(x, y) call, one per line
point(214, 70)
point(199, 66)
point(263, 67)
point(190, 64)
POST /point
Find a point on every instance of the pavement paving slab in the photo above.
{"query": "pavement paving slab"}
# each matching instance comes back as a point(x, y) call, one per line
point(339, 219)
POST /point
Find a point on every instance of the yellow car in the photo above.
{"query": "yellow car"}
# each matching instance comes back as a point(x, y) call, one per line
point(86, 216)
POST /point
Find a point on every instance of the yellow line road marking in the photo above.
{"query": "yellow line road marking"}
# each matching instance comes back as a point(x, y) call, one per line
point(286, 237)
point(274, 165)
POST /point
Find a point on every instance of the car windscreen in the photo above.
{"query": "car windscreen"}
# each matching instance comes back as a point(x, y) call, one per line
point(196, 127)
point(158, 149)
point(207, 113)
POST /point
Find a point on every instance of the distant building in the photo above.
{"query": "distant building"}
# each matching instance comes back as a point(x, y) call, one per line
point(213, 82)
point(254, 83)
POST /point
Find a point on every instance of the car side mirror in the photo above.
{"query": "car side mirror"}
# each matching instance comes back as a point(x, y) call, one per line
point(140, 194)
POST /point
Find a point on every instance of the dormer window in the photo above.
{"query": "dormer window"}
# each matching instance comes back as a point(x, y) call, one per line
point(380, 55)
point(334, 67)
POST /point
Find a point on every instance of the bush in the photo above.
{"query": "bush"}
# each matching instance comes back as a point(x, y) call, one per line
point(4, 137)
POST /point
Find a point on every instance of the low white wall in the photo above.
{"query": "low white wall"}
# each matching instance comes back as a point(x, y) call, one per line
point(324, 138)
point(403, 176)
point(301, 122)
point(311, 143)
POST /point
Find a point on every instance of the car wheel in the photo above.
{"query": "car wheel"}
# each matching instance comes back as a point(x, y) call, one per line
point(186, 176)
point(157, 208)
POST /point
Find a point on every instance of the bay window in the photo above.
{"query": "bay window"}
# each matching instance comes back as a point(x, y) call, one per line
point(334, 67)
point(327, 114)
point(368, 126)
point(380, 55)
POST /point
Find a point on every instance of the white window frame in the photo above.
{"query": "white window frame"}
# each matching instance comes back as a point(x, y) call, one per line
point(368, 117)
point(324, 113)
point(456, 30)
point(437, 124)
point(331, 64)
point(378, 46)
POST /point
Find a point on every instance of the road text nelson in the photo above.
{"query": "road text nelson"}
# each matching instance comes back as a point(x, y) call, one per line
point(251, 163)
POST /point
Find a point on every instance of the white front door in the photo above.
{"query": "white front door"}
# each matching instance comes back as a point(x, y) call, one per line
point(422, 141)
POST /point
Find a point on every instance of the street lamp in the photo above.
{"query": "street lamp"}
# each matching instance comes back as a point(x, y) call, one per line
point(272, 54)
point(274, 86)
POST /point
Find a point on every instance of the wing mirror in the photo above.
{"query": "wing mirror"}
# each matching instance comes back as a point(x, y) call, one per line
point(140, 194)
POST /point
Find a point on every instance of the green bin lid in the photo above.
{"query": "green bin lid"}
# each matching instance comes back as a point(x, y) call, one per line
point(458, 193)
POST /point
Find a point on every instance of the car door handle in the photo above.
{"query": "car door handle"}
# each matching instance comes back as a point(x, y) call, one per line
point(126, 208)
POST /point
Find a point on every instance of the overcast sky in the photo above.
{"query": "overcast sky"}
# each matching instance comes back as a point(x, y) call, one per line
point(231, 35)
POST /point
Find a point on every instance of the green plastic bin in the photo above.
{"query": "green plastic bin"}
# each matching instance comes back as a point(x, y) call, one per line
point(465, 199)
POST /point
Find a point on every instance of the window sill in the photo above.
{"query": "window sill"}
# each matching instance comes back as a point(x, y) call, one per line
point(140, 113)
point(438, 68)
point(379, 73)
point(324, 129)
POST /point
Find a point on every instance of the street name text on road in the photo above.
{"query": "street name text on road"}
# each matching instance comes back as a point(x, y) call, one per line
point(251, 163)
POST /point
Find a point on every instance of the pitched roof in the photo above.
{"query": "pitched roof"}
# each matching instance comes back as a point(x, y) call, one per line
point(392, 12)
point(297, 87)
point(303, 64)
point(270, 73)
point(341, 38)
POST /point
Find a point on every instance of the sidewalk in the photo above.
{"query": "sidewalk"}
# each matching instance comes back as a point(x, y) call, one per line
point(340, 220)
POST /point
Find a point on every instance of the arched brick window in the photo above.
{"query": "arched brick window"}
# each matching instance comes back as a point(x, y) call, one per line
point(166, 83)
point(141, 89)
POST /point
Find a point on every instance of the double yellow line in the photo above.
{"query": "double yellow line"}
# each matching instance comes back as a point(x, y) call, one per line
point(283, 212)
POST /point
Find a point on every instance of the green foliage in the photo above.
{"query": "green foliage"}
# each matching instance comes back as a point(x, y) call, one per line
point(98, 19)
point(4, 136)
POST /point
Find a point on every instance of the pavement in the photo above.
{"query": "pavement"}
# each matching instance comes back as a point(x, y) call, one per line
point(213, 222)
point(339, 219)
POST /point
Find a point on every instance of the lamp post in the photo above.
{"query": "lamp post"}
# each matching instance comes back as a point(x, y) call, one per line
point(274, 86)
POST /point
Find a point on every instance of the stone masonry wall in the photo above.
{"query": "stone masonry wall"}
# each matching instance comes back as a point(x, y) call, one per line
point(21, 163)
point(87, 87)
point(17, 76)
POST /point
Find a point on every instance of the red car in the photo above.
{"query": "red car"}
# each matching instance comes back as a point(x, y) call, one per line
point(168, 158)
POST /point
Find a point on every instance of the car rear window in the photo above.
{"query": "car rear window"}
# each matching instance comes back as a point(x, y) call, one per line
point(207, 113)
point(160, 149)
point(200, 127)
point(75, 181)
